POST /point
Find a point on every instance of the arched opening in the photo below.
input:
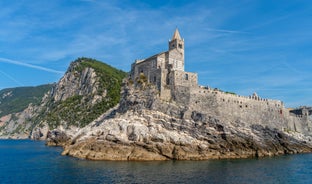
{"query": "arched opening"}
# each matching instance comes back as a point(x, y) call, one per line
point(186, 77)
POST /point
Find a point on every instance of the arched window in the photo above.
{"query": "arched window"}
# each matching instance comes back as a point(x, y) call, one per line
point(186, 76)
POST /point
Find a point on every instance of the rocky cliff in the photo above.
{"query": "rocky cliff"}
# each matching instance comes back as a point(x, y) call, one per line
point(144, 127)
point(14, 100)
point(87, 89)
point(92, 116)
point(17, 106)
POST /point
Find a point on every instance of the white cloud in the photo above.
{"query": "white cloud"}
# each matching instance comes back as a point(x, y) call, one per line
point(5, 60)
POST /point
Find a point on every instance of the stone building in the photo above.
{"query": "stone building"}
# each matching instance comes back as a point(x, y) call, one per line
point(166, 69)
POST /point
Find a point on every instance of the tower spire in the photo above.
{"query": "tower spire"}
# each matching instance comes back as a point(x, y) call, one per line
point(176, 35)
point(176, 49)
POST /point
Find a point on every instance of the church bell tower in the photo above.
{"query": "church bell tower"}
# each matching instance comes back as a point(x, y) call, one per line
point(177, 43)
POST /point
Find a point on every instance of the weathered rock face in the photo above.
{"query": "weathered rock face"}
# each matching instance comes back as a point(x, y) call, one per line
point(76, 82)
point(17, 125)
point(87, 90)
point(57, 138)
point(143, 127)
point(40, 133)
point(32, 122)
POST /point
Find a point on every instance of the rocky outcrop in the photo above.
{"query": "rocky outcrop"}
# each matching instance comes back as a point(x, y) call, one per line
point(143, 127)
point(76, 82)
point(40, 133)
point(17, 125)
point(87, 90)
point(81, 114)
point(57, 138)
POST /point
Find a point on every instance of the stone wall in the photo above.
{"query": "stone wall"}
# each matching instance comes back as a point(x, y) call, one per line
point(181, 94)
point(176, 60)
point(151, 68)
point(239, 109)
point(181, 78)
point(182, 87)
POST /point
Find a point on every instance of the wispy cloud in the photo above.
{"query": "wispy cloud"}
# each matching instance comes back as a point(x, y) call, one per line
point(11, 78)
point(268, 22)
point(232, 45)
point(225, 31)
point(5, 60)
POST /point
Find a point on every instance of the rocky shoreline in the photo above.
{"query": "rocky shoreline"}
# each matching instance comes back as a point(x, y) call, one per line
point(143, 127)
point(93, 120)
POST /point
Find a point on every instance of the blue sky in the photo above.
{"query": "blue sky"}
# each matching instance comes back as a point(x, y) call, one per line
point(244, 46)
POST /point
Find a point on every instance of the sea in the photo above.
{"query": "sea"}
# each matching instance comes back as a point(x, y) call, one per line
point(27, 161)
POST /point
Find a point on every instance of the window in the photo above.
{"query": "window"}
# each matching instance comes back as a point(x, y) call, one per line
point(154, 64)
point(140, 70)
point(154, 78)
point(186, 76)
point(180, 46)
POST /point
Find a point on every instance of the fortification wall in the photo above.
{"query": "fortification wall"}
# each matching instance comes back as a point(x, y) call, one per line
point(239, 109)
point(181, 94)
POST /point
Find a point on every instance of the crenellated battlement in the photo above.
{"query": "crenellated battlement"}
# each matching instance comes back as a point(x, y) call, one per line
point(238, 99)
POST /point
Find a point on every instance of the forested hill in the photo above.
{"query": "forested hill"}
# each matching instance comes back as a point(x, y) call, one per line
point(13, 100)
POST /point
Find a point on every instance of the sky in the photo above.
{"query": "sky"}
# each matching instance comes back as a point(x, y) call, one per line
point(243, 46)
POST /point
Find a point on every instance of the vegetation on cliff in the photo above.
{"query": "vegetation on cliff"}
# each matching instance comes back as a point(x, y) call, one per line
point(79, 109)
point(144, 127)
point(13, 100)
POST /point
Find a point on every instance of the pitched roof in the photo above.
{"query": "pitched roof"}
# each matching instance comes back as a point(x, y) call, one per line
point(176, 35)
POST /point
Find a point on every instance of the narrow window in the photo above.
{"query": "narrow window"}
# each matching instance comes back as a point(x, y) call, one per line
point(186, 76)
point(154, 64)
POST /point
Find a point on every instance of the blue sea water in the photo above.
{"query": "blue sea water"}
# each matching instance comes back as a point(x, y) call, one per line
point(26, 161)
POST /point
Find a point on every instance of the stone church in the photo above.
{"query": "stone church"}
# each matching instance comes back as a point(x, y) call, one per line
point(166, 69)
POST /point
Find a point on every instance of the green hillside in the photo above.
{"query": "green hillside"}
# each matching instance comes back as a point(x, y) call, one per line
point(78, 110)
point(14, 100)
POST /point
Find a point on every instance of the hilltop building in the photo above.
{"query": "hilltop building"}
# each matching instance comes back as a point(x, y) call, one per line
point(166, 69)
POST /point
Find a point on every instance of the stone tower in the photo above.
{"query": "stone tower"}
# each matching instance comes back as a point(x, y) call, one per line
point(166, 70)
point(177, 43)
